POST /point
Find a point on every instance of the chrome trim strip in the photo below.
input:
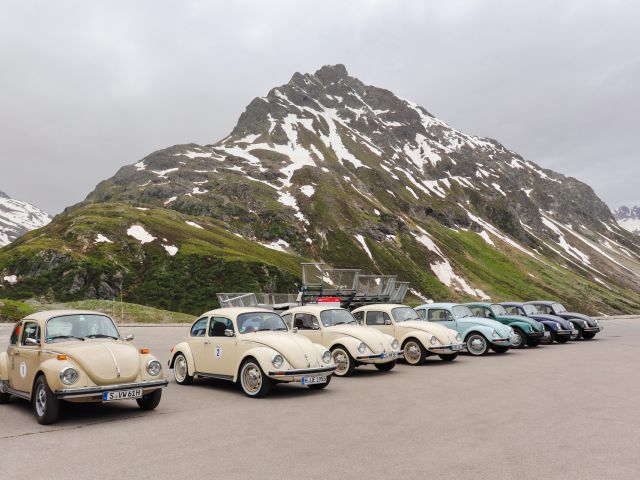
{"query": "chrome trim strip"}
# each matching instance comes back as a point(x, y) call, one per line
point(18, 393)
point(118, 373)
point(213, 375)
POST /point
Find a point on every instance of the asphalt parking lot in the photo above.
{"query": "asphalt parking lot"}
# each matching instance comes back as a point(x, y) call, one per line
point(557, 412)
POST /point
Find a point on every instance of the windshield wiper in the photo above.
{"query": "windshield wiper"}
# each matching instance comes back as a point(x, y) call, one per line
point(64, 336)
point(101, 335)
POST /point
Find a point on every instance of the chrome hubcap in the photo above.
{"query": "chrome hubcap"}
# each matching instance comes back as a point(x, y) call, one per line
point(341, 360)
point(41, 401)
point(251, 378)
point(412, 352)
point(477, 345)
point(517, 339)
point(180, 369)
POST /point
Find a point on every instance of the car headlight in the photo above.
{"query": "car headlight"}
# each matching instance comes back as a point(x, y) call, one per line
point(277, 360)
point(69, 376)
point(586, 324)
point(494, 334)
point(362, 347)
point(596, 322)
point(154, 368)
point(458, 338)
point(326, 356)
point(511, 331)
point(433, 340)
point(395, 344)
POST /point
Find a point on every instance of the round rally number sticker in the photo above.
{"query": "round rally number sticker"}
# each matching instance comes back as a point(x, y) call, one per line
point(23, 370)
point(218, 351)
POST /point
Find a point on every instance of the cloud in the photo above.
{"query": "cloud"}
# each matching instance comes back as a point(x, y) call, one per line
point(89, 87)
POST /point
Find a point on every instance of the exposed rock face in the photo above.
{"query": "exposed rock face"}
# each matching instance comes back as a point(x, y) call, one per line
point(329, 168)
point(17, 218)
point(628, 218)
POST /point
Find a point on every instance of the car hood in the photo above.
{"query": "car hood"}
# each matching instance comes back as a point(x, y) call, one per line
point(503, 330)
point(106, 362)
point(519, 318)
point(296, 349)
point(544, 316)
point(377, 341)
point(586, 318)
point(444, 334)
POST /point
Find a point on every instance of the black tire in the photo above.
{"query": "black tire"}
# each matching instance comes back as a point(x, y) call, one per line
point(414, 351)
point(344, 360)
point(181, 370)
point(499, 348)
point(448, 357)
point(4, 397)
point(533, 343)
point(386, 367)
point(550, 339)
point(320, 386)
point(520, 337)
point(46, 406)
point(477, 344)
point(588, 335)
point(151, 400)
point(563, 339)
point(253, 381)
point(578, 335)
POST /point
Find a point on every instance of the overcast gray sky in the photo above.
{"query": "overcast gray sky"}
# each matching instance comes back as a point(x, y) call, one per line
point(86, 87)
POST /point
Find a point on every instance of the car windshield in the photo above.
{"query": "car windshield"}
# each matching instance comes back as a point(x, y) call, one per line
point(403, 314)
point(559, 308)
point(260, 322)
point(530, 309)
point(462, 311)
point(498, 310)
point(80, 327)
point(337, 316)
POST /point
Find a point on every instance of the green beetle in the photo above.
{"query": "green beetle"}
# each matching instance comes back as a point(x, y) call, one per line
point(527, 330)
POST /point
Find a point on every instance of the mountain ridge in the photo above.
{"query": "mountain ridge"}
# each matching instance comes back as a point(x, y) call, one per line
point(18, 217)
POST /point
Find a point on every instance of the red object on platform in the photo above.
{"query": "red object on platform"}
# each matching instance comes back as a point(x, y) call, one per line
point(329, 300)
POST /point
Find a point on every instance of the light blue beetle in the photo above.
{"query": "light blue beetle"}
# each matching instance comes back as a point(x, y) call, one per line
point(478, 334)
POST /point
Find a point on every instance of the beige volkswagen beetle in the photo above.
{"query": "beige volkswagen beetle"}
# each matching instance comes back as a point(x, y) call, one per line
point(350, 343)
point(419, 339)
point(251, 346)
point(76, 356)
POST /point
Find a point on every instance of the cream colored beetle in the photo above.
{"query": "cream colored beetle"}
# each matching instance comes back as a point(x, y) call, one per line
point(419, 339)
point(251, 346)
point(76, 356)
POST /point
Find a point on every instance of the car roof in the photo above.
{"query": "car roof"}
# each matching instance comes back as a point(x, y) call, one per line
point(439, 305)
point(478, 304)
point(373, 306)
point(314, 308)
point(512, 304)
point(231, 311)
point(541, 302)
point(49, 314)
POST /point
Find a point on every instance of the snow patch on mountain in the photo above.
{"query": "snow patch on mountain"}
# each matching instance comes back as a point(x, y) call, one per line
point(17, 218)
point(139, 233)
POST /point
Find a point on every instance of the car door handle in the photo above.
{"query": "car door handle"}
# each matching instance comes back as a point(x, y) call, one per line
point(207, 342)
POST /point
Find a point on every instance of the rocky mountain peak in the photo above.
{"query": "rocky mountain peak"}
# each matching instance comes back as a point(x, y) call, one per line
point(628, 218)
point(18, 217)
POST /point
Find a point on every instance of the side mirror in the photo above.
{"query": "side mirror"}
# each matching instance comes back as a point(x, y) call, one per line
point(31, 342)
point(129, 337)
point(387, 321)
point(229, 333)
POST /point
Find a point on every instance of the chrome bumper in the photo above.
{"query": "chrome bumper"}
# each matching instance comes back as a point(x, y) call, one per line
point(297, 375)
point(84, 392)
point(453, 348)
point(380, 357)
point(535, 335)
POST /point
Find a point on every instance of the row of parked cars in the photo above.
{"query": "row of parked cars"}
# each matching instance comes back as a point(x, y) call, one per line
point(80, 356)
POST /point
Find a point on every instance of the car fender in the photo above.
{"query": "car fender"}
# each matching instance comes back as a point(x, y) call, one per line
point(185, 349)
point(420, 335)
point(4, 366)
point(263, 355)
point(484, 330)
point(320, 349)
point(524, 326)
point(51, 369)
point(350, 343)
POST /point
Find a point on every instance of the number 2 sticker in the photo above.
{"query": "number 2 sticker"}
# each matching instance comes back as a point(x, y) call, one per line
point(218, 351)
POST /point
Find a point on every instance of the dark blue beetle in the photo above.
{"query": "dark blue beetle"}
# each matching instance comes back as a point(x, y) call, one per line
point(560, 330)
point(586, 327)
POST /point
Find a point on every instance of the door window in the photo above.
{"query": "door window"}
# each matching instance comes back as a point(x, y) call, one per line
point(421, 313)
point(31, 330)
point(199, 328)
point(377, 318)
point(218, 325)
point(359, 316)
point(287, 319)
point(481, 312)
point(439, 315)
point(306, 321)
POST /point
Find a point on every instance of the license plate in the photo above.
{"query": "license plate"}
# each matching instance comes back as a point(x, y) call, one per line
point(313, 380)
point(122, 395)
point(456, 347)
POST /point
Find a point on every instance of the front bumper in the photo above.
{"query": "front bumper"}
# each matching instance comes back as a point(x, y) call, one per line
point(592, 329)
point(536, 335)
point(297, 375)
point(97, 391)
point(380, 357)
point(447, 349)
point(503, 342)
point(566, 333)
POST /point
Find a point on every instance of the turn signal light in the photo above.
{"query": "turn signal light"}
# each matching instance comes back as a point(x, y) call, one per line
point(144, 351)
point(62, 357)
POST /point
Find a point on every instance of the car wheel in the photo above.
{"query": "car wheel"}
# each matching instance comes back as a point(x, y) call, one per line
point(385, 367)
point(414, 352)
point(476, 344)
point(320, 386)
point(533, 343)
point(499, 348)
point(345, 362)
point(588, 335)
point(550, 339)
point(4, 397)
point(519, 338)
point(253, 381)
point(181, 370)
point(45, 405)
point(151, 400)
point(447, 357)
point(578, 335)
